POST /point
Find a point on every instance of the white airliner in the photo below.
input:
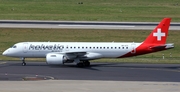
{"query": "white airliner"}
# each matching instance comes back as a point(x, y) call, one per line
point(58, 53)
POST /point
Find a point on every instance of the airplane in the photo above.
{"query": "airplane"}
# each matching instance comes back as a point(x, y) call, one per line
point(59, 53)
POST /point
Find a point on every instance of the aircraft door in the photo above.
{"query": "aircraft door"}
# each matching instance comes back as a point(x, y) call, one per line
point(133, 46)
point(25, 47)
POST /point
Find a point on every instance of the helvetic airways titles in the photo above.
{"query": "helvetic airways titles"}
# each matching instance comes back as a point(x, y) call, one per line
point(55, 47)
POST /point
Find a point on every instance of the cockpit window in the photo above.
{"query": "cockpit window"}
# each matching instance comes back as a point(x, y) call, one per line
point(14, 46)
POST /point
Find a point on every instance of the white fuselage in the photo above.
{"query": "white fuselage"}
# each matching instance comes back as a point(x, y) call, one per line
point(41, 49)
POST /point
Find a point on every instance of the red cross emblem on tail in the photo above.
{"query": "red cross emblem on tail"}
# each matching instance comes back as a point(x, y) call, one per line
point(159, 34)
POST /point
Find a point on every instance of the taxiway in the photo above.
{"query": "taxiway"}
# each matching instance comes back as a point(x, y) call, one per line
point(100, 77)
point(83, 25)
point(12, 70)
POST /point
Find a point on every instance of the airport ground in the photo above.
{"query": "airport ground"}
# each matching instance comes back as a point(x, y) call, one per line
point(119, 76)
point(127, 77)
point(107, 77)
point(88, 86)
point(115, 77)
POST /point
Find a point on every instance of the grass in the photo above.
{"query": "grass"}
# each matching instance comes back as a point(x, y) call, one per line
point(90, 10)
point(8, 37)
point(143, 60)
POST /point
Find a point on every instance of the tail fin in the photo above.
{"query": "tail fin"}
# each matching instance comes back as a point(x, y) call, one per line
point(159, 34)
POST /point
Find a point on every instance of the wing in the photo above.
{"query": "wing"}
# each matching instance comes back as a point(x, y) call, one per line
point(81, 55)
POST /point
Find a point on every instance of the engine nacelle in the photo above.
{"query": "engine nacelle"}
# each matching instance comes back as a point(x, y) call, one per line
point(55, 59)
point(91, 56)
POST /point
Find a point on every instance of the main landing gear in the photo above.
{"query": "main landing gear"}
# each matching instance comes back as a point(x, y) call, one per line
point(83, 64)
point(23, 62)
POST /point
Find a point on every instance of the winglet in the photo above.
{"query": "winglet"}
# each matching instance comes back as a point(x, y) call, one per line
point(159, 34)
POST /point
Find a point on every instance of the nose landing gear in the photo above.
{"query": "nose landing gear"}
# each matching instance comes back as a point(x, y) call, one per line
point(23, 62)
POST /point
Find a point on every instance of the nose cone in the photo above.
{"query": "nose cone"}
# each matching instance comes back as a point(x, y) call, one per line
point(5, 53)
point(10, 53)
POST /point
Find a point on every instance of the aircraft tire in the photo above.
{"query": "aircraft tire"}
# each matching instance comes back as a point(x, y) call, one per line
point(80, 65)
point(23, 64)
point(86, 63)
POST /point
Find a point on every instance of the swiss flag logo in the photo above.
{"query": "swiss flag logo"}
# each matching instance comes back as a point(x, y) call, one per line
point(159, 34)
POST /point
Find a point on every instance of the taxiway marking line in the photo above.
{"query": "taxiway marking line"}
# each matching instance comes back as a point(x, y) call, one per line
point(2, 62)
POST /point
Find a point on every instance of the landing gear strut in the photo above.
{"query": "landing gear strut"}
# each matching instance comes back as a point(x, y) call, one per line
point(23, 62)
point(83, 64)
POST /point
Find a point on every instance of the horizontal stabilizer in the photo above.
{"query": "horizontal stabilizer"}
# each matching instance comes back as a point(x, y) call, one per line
point(169, 45)
point(158, 47)
point(165, 46)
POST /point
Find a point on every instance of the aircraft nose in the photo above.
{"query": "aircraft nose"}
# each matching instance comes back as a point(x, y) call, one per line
point(5, 52)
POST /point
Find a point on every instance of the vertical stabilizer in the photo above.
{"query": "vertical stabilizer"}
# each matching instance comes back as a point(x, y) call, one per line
point(160, 33)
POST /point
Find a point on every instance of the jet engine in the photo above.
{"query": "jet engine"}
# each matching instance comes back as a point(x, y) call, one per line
point(55, 59)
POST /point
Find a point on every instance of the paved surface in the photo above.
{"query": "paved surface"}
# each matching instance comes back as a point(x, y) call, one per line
point(87, 86)
point(98, 71)
point(83, 24)
point(100, 77)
